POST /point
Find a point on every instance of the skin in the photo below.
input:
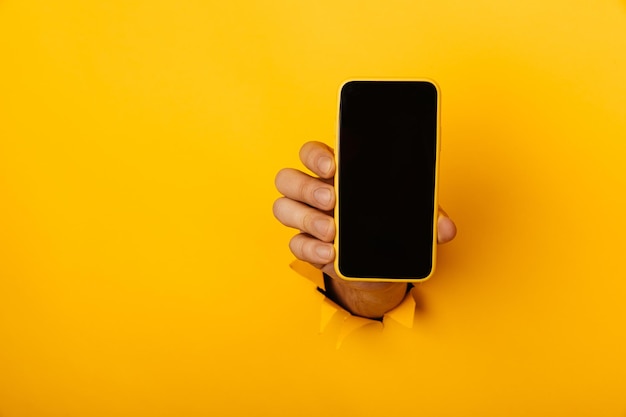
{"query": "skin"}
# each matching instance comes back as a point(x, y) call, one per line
point(307, 205)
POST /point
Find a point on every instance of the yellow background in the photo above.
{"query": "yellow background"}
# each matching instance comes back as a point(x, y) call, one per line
point(142, 272)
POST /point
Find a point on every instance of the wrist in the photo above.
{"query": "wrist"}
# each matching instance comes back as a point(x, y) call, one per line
point(366, 299)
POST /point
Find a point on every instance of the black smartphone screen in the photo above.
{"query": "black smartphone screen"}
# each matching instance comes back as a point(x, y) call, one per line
point(387, 176)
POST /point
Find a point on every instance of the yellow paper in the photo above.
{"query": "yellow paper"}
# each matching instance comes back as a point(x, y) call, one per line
point(143, 274)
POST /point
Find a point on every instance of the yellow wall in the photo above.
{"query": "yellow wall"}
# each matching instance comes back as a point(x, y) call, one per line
point(142, 272)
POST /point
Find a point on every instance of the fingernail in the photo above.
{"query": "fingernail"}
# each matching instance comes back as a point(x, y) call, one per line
point(324, 164)
point(323, 195)
point(321, 225)
point(324, 251)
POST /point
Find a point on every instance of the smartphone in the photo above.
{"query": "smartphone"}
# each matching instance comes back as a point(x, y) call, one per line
point(386, 181)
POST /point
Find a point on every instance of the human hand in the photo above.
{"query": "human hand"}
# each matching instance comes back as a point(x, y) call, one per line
point(308, 205)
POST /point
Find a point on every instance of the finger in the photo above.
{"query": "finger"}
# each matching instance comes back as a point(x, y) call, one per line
point(319, 158)
point(299, 186)
point(307, 219)
point(446, 229)
point(311, 250)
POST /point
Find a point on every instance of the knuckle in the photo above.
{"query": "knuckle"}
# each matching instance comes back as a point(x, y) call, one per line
point(303, 247)
point(307, 222)
point(277, 207)
point(282, 177)
point(279, 176)
point(314, 158)
point(318, 225)
point(310, 152)
point(308, 249)
point(305, 150)
point(305, 190)
point(296, 246)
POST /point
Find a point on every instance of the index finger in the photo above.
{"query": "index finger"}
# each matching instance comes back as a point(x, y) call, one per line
point(319, 158)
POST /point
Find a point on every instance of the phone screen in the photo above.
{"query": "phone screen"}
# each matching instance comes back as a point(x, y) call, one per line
point(386, 179)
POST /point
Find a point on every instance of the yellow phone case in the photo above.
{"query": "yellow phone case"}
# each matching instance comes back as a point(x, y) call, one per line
point(435, 205)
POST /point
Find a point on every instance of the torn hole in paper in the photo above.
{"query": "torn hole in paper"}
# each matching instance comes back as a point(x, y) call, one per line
point(331, 312)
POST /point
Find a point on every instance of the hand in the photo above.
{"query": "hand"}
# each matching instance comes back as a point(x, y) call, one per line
point(308, 205)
